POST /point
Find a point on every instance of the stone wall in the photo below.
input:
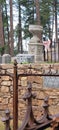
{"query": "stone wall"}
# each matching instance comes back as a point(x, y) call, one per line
point(6, 92)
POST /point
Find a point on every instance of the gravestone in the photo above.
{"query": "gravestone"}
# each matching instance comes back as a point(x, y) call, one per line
point(6, 58)
point(23, 58)
point(51, 81)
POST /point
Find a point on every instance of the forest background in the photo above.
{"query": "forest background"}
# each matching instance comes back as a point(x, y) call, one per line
point(17, 15)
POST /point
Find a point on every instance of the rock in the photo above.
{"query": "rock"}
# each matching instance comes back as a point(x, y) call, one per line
point(4, 89)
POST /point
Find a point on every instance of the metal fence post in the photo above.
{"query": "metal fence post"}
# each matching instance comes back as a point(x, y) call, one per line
point(15, 98)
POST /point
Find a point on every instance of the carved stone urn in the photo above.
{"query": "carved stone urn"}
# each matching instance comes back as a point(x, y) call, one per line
point(35, 47)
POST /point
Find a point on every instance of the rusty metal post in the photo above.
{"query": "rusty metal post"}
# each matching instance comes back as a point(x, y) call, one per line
point(15, 98)
point(7, 119)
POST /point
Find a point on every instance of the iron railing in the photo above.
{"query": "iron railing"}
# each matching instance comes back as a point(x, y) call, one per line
point(53, 54)
point(29, 123)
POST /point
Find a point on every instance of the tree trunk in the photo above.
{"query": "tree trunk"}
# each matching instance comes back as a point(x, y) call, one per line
point(1, 28)
point(56, 34)
point(38, 17)
point(20, 47)
point(37, 12)
point(7, 29)
point(11, 41)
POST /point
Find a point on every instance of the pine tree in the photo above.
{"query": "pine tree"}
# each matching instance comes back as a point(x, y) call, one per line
point(6, 27)
point(1, 28)
point(38, 21)
point(45, 15)
point(11, 41)
point(28, 16)
point(20, 46)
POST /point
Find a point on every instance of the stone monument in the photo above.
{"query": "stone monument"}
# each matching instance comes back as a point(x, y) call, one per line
point(6, 58)
point(23, 58)
point(35, 47)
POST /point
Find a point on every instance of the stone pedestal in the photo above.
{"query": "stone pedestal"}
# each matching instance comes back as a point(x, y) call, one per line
point(34, 46)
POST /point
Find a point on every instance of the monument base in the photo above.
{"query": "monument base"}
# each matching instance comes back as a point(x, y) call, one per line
point(37, 50)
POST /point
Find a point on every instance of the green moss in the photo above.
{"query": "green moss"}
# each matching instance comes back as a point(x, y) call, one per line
point(2, 126)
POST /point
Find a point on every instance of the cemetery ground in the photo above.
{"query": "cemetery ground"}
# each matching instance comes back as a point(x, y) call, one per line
point(2, 126)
